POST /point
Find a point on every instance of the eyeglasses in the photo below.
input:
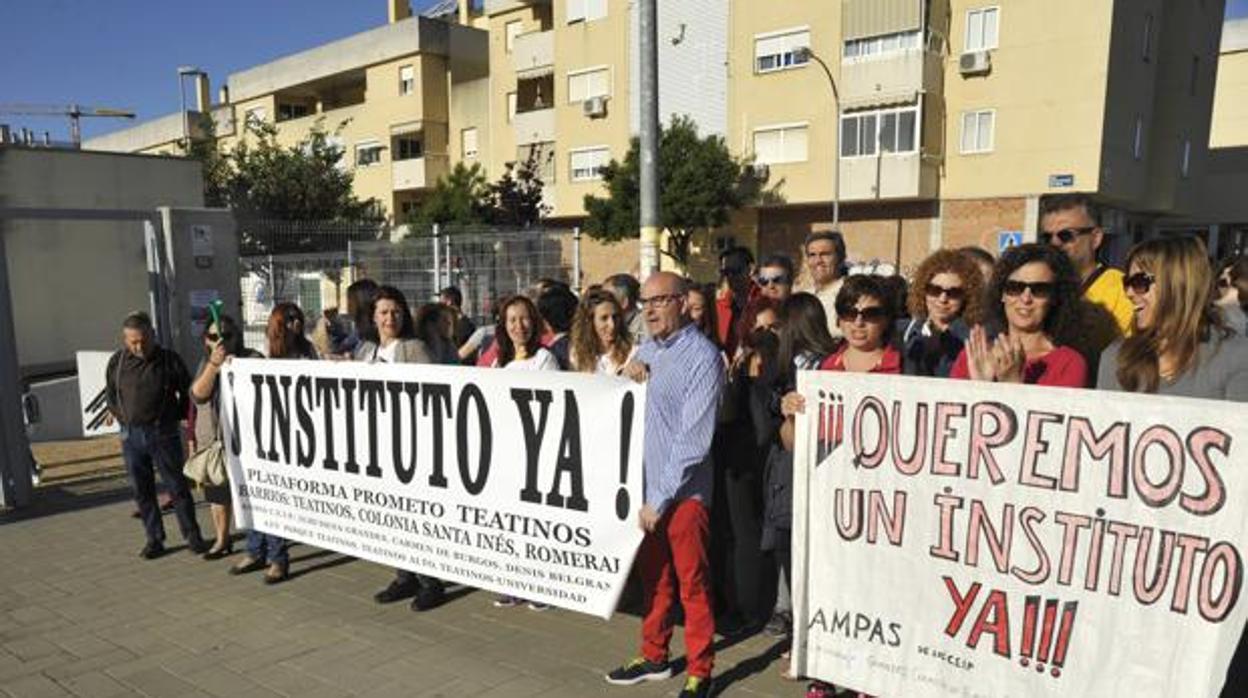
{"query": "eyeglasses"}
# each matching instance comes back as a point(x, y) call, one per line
point(1066, 235)
point(778, 280)
point(1223, 283)
point(1040, 289)
point(955, 293)
point(659, 301)
point(1140, 282)
point(212, 336)
point(872, 314)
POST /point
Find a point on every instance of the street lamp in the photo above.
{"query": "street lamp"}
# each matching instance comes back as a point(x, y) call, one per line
point(804, 54)
point(183, 72)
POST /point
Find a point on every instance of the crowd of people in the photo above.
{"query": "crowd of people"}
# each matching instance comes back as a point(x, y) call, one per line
point(721, 362)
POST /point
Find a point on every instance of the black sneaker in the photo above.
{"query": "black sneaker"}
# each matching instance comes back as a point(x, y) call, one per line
point(639, 670)
point(396, 591)
point(151, 551)
point(197, 545)
point(696, 687)
point(428, 596)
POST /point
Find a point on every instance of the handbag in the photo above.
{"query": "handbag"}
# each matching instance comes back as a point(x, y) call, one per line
point(206, 466)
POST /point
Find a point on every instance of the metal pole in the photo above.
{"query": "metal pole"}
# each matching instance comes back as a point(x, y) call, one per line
point(15, 484)
point(576, 258)
point(186, 118)
point(447, 256)
point(836, 129)
point(437, 261)
point(649, 78)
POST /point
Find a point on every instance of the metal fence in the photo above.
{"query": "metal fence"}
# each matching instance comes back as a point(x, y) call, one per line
point(312, 264)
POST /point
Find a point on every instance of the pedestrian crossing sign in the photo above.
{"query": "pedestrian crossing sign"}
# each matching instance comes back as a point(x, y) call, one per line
point(1009, 238)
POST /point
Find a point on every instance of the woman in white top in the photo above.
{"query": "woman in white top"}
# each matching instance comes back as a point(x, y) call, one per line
point(519, 338)
point(392, 337)
point(601, 342)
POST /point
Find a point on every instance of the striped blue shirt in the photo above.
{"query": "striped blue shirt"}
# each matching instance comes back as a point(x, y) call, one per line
point(682, 400)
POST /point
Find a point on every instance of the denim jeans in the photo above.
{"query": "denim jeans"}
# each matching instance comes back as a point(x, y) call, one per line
point(146, 449)
point(267, 547)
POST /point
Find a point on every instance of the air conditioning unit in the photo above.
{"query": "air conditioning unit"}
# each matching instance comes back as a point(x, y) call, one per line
point(975, 63)
point(760, 171)
point(594, 107)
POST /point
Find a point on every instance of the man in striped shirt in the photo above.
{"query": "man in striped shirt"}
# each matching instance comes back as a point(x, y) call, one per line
point(684, 375)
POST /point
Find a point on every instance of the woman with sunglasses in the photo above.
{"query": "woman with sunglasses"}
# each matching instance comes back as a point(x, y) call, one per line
point(1232, 292)
point(601, 342)
point(1033, 306)
point(285, 338)
point(222, 340)
point(1181, 344)
point(944, 302)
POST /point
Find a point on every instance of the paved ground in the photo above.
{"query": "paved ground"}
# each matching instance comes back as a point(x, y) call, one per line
point(82, 615)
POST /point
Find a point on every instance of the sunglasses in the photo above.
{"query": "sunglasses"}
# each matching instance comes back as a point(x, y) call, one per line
point(1223, 283)
point(1140, 282)
point(872, 314)
point(955, 293)
point(213, 336)
point(1042, 289)
point(1066, 235)
point(780, 280)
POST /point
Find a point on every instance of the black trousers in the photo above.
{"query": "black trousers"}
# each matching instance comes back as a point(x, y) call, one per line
point(738, 566)
point(148, 449)
point(423, 581)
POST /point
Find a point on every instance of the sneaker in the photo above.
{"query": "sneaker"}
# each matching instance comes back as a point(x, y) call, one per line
point(506, 601)
point(780, 625)
point(696, 687)
point(36, 475)
point(397, 590)
point(538, 606)
point(639, 670)
point(151, 551)
point(428, 596)
point(819, 689)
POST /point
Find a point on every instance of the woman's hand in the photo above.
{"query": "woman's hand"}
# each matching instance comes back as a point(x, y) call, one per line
point(792, 403)
point(218, 356)
point(979, 357)
point(1008, 358)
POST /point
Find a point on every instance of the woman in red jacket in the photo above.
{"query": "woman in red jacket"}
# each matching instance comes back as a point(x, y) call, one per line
point(1033, 305)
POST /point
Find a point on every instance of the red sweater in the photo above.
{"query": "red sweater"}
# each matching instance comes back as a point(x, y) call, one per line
point(889, 363)
point(1063, 368)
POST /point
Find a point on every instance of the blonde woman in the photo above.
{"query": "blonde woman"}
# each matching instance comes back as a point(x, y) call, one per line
point(601, 342)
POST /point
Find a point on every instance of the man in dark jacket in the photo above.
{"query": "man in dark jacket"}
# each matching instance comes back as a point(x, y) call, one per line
point(148, 388)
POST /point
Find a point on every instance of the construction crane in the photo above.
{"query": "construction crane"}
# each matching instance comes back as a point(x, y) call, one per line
point(75, 112)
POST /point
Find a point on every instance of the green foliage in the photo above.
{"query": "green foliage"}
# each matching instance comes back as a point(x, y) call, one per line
point(466, 197)
point(700, 185)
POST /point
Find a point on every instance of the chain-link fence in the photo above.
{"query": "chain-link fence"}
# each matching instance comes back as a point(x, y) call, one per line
point(312, 264)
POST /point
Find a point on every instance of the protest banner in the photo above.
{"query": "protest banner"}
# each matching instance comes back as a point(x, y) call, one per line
point(978, 539)
point(520, 482)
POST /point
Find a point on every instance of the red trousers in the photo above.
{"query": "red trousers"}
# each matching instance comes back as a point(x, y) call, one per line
point(675, 554)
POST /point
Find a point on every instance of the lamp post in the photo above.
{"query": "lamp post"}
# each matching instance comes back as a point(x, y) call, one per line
point(804, 53)
point(183, 72)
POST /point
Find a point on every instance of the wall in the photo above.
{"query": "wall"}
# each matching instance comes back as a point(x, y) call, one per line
point(1230, 101)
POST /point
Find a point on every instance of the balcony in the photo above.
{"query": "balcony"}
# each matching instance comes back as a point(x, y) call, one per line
point(537, 126)
point(877, 81)
point(533, 52)
point(418, 173)
point(888, 176)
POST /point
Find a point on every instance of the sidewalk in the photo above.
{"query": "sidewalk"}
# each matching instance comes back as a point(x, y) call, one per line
point(82, 615)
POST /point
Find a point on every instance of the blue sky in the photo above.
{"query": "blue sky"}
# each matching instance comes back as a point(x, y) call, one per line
point(124, 53)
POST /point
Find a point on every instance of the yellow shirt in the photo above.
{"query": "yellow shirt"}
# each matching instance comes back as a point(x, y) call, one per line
point(1111, 310)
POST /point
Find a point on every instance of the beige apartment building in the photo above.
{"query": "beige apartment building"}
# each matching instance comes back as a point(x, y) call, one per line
point(954, 117)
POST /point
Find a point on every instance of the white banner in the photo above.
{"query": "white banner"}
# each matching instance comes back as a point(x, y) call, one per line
point(96, 419)
point(973, 539)
point(519, 482)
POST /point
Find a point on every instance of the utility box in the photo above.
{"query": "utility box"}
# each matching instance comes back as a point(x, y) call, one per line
point(200, 266)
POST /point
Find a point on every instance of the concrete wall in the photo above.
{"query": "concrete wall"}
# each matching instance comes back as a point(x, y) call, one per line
point(72, 281)
point(1230, 101)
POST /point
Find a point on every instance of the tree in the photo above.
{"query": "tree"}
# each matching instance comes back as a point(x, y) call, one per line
point(516, 198)
point(700, 184)
point(466, 197)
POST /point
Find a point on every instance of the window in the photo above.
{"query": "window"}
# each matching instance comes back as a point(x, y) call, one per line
point(1147, 51)
point(292, 111)
point(1137, 138)
point(1191, 86)
point(977, 131)
point(511, 106)
point(408, 148)
point(542, 156)
point(468, 143)
point(981, 29)
point(858, 135)
point(256, 115)
point(778, 50)
point(586, 10)
point(407, 80)
point(882, 45)
point(898, 130)
point(588, 83)
point(894, 131)
point(586, 164)
point(1185, 161)
point(510, 31)
point(367, 153)
point(780, 144)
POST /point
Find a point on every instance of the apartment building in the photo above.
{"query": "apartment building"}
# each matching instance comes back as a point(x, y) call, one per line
point(391, 97)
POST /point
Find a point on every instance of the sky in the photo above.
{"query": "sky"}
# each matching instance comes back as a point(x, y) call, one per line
point(125, 53)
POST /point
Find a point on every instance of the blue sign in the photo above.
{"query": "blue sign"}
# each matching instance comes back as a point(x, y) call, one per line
point(1009, 238)
point(1061, 181)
